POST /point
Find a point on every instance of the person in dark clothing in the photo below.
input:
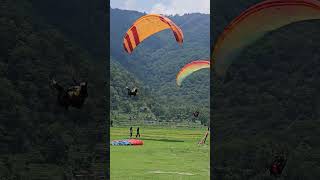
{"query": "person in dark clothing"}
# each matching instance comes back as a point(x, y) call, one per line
point(74, 96)
point(130, 132)
point(277, 166)
point(196, 114)
point(132, 92)
point(138, 132)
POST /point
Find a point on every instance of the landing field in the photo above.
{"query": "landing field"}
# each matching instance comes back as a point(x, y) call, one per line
point(167, 154)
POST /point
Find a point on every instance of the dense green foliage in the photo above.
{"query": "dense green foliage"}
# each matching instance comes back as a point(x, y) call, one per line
point(167, 153)
point(268, 101)
point(40, 140)
point(124, 108)
point(156, 62)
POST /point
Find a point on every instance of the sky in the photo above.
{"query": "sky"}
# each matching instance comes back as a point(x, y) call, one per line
point(166, 7)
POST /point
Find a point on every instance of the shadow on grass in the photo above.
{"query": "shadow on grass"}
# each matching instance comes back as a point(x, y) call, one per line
point(163, 140)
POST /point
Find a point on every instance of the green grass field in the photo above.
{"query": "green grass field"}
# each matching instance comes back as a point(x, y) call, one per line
point(167, 153)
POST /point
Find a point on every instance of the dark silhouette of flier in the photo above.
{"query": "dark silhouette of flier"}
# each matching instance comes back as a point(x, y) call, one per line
point(132, 92)
point(277, 166)
point(196, 114)
point(74, 96)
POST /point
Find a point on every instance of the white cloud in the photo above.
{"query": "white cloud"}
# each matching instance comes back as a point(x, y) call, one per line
point(168, 7)
point(131, 5)
point(160, 9)
point(182, 7)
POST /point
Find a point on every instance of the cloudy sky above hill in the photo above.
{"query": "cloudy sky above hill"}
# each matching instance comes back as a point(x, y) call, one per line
point(167, 7)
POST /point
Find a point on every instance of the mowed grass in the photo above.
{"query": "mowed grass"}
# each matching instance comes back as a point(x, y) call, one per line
point(167, 153)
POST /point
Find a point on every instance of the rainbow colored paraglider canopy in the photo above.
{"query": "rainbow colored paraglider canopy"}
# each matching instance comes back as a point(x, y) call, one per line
point(255, 22)
point(191, 68)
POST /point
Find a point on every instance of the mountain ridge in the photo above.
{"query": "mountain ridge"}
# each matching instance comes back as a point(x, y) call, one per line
point(159, 58)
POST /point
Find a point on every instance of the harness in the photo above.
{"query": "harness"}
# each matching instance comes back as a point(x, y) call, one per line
point(74, 91)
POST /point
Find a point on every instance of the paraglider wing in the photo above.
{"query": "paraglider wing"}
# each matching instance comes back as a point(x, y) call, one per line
point(191, 68)
point(146, 26)
point(255, 22)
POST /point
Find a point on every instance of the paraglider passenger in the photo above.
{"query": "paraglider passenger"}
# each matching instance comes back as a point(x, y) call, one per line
point(132, 92)
point(138, 132)
point(277, 166)
point(196, 114)
point(74, 96)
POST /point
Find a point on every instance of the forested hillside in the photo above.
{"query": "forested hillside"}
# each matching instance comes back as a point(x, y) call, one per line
point(155, 62)
point(268, 102)
point(39, 139)
point(123, 107)
point(159, 58)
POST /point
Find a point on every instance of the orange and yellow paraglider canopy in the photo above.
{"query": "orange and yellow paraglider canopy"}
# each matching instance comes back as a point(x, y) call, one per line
point(146, 26)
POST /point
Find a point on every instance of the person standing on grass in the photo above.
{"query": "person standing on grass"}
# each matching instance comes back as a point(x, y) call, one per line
point(138, 132)
point(131, 132)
